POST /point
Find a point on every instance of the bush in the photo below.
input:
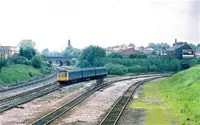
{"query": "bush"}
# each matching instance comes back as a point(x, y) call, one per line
point(37, 61)
point(28, 62)
point(141, 56)
point(133, 56)
point(48, 65)
point(46, 70)
point(115, 55)
point(74, 62)
point(198, 61)
point(138, 56)
point(153, 68)
point(116, 69)
point(18, 60)
point(137, 69)
point(3, 63)
point(154, 64)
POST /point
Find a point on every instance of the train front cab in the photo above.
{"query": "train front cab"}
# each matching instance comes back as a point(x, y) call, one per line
point(62, 77)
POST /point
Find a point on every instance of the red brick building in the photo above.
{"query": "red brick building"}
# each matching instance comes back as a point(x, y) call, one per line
point(129, 51)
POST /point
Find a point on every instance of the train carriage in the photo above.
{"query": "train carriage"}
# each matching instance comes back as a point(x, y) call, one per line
point(70, 76)
point(88, 73)
point(100, 72)
point(74, 74)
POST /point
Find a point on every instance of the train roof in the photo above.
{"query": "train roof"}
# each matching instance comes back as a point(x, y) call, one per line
point(68, 70)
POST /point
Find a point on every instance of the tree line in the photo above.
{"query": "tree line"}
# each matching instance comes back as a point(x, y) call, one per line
point(95, 56)
point(28, 55)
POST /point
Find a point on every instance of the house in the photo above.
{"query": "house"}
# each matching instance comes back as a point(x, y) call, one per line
point(147, 50)
point(15, 55)
point(127, 52)
point(181, 50)
point(7, 51)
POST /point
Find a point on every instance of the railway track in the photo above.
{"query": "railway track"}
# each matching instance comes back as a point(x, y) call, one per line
point(27, 83)
point(24, 97)
point(14, 101)
point(66, 107)
point(116, 111)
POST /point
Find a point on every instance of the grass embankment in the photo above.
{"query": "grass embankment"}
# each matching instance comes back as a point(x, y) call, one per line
point(174, 100)
point(17, 73)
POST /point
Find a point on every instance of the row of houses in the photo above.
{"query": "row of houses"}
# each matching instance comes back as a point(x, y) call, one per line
point(127, 50)
point(179, 50)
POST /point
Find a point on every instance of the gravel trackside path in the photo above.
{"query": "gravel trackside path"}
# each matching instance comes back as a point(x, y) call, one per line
point(91, 111)
point(31, 111)
point(27, 113)
point(25, 88)
point(97, 104)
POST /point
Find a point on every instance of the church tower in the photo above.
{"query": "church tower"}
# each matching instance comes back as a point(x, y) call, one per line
point(69, 43)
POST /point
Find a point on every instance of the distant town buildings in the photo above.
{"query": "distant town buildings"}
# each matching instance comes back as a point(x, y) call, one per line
point(126, 50)
point(179, 50)
point(7, 51)
point(146, 50)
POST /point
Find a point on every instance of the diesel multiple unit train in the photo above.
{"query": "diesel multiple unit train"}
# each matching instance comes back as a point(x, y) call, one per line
point(70, 76)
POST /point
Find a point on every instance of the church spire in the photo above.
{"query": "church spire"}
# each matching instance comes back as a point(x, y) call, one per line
point(69, 44)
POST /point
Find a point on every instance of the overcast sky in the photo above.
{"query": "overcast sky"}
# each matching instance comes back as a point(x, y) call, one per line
point(50, 23)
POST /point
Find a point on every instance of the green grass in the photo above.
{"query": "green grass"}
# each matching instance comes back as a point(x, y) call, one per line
point(181, 93)
point(174, 100)
point(17, 73)
point(157, 113)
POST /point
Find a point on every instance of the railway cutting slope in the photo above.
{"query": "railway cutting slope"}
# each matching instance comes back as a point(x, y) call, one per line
point(174, 100)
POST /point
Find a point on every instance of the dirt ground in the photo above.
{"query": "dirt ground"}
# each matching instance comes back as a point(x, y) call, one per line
point(29, 112)
point(132, 116)
point(92, 110)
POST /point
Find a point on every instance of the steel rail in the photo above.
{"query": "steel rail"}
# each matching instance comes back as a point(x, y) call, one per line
point(14, 101)
point(66, 107)
point(27, 96)
point(116, 111)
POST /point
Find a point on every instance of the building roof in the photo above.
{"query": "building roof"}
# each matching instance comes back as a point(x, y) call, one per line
point(175, 47)
point(15, 55)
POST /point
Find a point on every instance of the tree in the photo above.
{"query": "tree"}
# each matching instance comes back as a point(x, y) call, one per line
point(198, 45)
point(29, 52)
point(37, 61)
point(45, 52)
point(159, 46)
point(55, 53)
point(193, 46)
point(3, 63)
point(26, 43)
point(115, 55)
point(137, 55)
point(21, 52)
point(27, 48)
point(72, 52)
point(90, 55)
point(131, 44)
point(133, 56)
point(153, 45)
